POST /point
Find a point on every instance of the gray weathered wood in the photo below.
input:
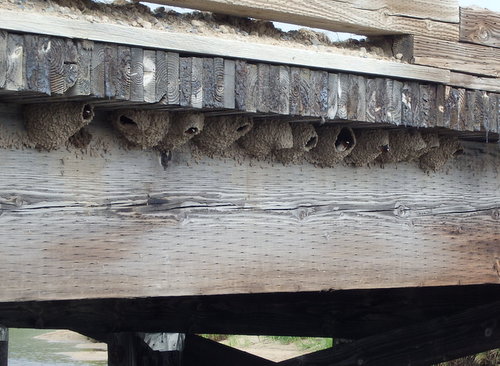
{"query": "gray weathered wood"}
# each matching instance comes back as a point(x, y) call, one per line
point(185, 71)
point(219, 83)
point(356, 98)
point(284, 90)
point(149, 78)
point(37, 63)
point(251, 88)
point(16, 74)
point(411, 104)
point(229, 84)
point(161, 88)
point(115, 213)
point(263, 90)
point(294, 91)
point(136, 74)
point(305, 93)
point(480, 26)
point(124, 70)
point(83, 80)
point(97, 72)
point(3, 58)
point(63, 58)
point(393, 113)
point(427, 106)
point(333, 92)
point(208, 82)
point(173, 82)
point(343, 96)
point(240, 88)
point(319, 93)
point(197, 82)
point(110, 70)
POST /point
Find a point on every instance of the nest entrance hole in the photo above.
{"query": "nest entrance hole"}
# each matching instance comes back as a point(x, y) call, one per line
point(124, 120)
point(311, 143)
point(192, 131)
point(243, 128)
point(345, 140)
point(87, 112)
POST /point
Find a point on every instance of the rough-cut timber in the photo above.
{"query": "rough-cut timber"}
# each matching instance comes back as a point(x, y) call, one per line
point(431, 18)
point(481, 26)
point(165, 237)
point(179, 42)
point(456, 56)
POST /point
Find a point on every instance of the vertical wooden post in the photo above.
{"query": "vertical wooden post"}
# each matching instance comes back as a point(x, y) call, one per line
point(4, 343)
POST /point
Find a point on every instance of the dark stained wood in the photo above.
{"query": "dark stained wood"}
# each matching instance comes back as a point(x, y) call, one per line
point(319, 93)
point(218, 89)
point(3, 58)
point(37, 63)
point(472, 331)
point(274, 99)
point(295, 91)
point(394, 90)
point(452, 101)
point(16, 61)
point(186, 66)
point(199, 351)
point(149, 77)
point(376, 100)
point(441, 92)
point(240, 88)
point(229, 99)
point(83, 81)
point(122, 349)
point(305, 102)
point(136, 74)
point(197, 82)
point(343, 96)
point(480, 26)
point(351, 314)
point(208, 82)
point(411, 104)
point(4, 346)
point(161, 88)
point(110, 70)
point(356, 99)
point(124, 73)
point(263, 90)
point(427, 106)
point(173, 82)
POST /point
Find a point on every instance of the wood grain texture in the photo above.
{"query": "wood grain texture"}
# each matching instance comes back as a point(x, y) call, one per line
point(3, 58)
point(197, 82)
point(294, 91)
point(173, 82)
point(427, 106)
point(63, 58)
point(219, 84)
point(16, 74)
point(124, 73)
point(136, 74)
point(263, 88)
point(462, 80)
point(411, 104)
point(97, 71)
point(319, 93)
point(275, 97)
point(240, 88)
point(208, 82)
point(219, 227)
point(185, 71)
point(251, 87)
point(161, 87)
point(37, 63)
point(202, 45)
point(481, 26)
point(149, 78)
point(457, 56)
point(284, 90)
point(229, 98)
point(333, 91)
point(361, 17)
point(110, 70)
point(83, 80)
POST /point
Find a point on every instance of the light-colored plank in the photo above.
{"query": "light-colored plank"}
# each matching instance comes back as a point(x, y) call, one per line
point(229, 83)
point(149, 81)
point(136, 74)
point(16, 73)
point(474, 82)
point(3, 58)
point(114, 223)
point(38, 23)
point(481, 26)
point(456, 56)
point(173, 83)
point(368, 17)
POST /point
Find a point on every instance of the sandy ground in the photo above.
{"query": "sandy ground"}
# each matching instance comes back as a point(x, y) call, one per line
point(86, 350)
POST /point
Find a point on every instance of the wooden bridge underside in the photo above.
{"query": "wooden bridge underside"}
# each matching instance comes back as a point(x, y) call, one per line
point(111, 240)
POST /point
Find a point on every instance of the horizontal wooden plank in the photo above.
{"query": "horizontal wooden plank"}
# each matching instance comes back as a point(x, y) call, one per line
point(464, 57)
point(44, 24)
point(117, 223)
point(368, 17)
point(475, 82)
point(481, 26)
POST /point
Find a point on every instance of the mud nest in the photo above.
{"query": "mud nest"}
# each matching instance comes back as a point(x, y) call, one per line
point(183, 127)
point(370, 144)
point(266, 138)
point(141, 127)
point(334, 144)
point(305, 138)
point(220, 133)
point(438, 156)
point(49, 126)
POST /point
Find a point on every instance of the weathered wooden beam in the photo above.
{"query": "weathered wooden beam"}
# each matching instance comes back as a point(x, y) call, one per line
point(178, 42)
point(480, 26)
point(245, 201)
point(4, 346)
point(456, 56)
point(475, 330)
point(361, 17)
point(199, 351)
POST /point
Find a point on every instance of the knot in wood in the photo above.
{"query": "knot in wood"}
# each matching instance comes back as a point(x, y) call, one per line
point(402, 211)
point(495, 214)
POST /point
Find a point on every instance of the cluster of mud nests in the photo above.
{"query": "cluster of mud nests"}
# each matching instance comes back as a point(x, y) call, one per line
point(50, 127)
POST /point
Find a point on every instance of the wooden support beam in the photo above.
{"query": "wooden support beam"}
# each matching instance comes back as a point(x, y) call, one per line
point(475, 330)
point(362, 17)
point(201, 45)
point(200, 351)
point(455, 56)
point(480, 26)
point(4, 346)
